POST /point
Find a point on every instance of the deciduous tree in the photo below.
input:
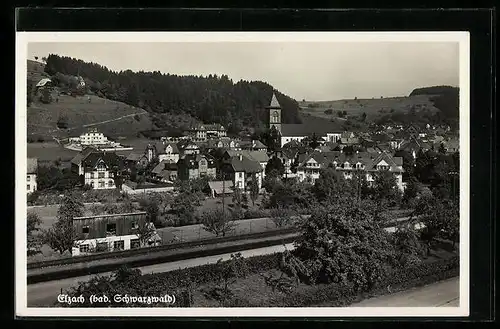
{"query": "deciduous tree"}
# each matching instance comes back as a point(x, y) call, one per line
point(61, 237)
point(217, 221)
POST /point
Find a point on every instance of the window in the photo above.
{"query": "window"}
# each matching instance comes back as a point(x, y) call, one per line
point(28, 187)
point(119, 245)
point(84, 248)
point(111, 228)
point(102, 247)
point(240, 175)
point(135, 225)
point(28, 178)
point(85, 229)
point(91, 175)
point(134, 243)
point(111, 183)
point(100, 175)
point(101, 184)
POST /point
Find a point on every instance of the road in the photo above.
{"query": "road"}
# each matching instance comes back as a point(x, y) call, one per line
point(44, 294)
point(440, 294)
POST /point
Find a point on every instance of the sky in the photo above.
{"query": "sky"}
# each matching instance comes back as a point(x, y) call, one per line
point(313, 71)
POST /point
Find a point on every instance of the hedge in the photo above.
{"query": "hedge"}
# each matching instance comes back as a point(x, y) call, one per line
point(343, 295)
point(210, 272)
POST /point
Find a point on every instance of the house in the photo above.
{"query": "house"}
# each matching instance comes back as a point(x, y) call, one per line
point(206, 131)
point(168, 152)
point(219, 188)
point(77, 161)
point(106, 233)
point(101, 169)
point(253, 145)
point(93, 137)
point(193, 166)
point(310, 165)
point(297, 132)
point(241, 170)
point(31, 172)
point(165, 171)
point(187, 147)
point(261, 157)
point(136, 160)
point(223, 143)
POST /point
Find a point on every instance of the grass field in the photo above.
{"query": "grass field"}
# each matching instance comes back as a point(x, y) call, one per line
point(373, 108)
point(49, 151)
point(112, 118)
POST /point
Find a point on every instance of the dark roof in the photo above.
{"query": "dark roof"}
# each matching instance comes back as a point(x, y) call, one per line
point(111, 159)
point(32, 165)
point(252, 155)
point(134, 156)
point(311, 126)
point(369, 160)
point(82, 155)
point(192, 161)
point(244, 165)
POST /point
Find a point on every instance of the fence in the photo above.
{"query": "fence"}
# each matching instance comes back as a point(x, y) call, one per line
point(148, 250)
point(128, 190)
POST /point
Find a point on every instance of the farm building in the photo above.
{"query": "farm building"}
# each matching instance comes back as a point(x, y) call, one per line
point(113, 232)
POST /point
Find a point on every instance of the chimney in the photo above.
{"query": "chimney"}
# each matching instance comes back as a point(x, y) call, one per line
point(240, 157)
point(253, 142)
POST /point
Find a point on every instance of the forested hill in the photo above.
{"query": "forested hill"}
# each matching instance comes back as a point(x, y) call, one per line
point(445, 98)
point(210, 99)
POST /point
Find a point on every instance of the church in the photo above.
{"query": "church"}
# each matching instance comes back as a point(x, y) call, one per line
point(297, 132)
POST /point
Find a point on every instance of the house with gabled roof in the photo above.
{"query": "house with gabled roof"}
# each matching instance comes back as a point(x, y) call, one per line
point(31, 173)
point(77, 161)
point(101, 169)
point(136, 160)
point(253, 145)
point(167, 152)
point(241, 170)
point(261, 157)
point(310, 165)
point(193, 166)
point(165, 171)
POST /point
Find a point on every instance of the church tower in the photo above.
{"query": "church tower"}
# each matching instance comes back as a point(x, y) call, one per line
point(275, 114)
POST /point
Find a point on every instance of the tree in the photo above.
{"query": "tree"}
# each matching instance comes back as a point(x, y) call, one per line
point(442, 149)
point(62, 122)
point(254, 189)
point(32, 223)
point(331, 185)
point(342, 242)
point(227, 273)
point(217, 221)
point(314, 143)
point(408, 163)
point(275, 168)
point(238, 199)
point(438, 217)
point(61, 237)
point(281, 216)
point(407, 244)
point(145, 231)
point(413, 188)
point(385, 189)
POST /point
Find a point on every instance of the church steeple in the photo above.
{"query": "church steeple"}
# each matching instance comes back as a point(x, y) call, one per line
point(274, 113)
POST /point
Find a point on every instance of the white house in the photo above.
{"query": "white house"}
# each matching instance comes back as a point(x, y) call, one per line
point(241, 170)
point(32, 169)
point(100, 169)
point(168, 152)
point(93, 137)
point(310, 166)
